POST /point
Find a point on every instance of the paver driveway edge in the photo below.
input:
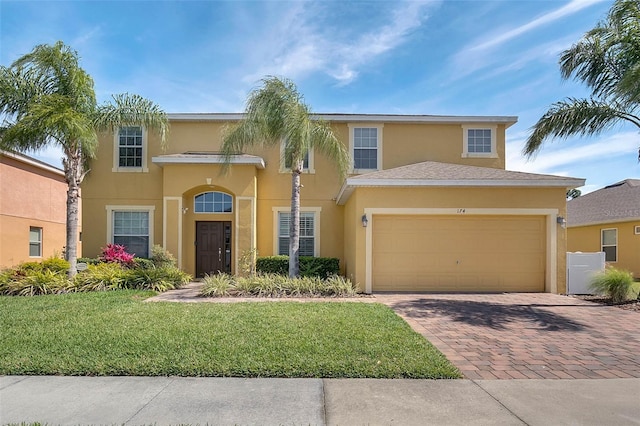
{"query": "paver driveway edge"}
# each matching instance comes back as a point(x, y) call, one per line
point(525, 335)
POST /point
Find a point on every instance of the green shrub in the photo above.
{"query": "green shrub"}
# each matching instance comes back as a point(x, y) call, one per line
point(89, 260)
point(142, 263)
point(101, 277)
point(26, 267)
point(217, 285)
point(322, 267)
point(158, 279)
point(38, 282)
point(337, 285)
point(161, 257)
point(613, 282)
point(276, 285)
point(5, 278)
point(55, 264)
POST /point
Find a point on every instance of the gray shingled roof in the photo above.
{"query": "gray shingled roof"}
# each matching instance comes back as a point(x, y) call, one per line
point(432, 170)
point(615, 203)
point(431, 173)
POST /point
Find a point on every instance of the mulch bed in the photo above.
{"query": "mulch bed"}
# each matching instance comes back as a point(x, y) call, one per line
point(631, 305)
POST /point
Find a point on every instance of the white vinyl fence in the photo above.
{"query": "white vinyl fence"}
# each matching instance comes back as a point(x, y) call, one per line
point(580, 269)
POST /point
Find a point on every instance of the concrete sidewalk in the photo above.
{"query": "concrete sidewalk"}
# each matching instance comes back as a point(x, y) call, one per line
point(57, 400)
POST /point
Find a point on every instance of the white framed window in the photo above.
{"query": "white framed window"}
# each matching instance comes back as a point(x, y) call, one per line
point(479, 141)
point(285, 163)
point(130, 150)
point(609, 243)
point(636, 229)
point(213, 202)
point(35, 241)
point(365, 146)
point(132, 227)
point(309, 230)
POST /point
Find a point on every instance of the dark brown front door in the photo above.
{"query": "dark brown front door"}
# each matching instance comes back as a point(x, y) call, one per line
point(213, 248)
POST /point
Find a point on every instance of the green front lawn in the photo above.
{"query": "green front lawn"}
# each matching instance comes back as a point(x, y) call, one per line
point(116, 333)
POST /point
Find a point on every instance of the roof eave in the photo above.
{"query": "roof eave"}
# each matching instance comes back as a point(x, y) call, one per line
point(605, 222)
point(350, 184)
point(362, 118)
point(33, 162)
point(258, 162)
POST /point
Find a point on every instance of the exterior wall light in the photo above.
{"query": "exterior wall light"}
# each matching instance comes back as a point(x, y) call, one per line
point(365, 221)
point(561, 221)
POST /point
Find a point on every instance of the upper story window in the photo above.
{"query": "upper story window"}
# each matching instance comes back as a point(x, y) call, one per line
point(130, 150)
point(285, 161)
point(365, 144)
point(213, 202)
point(479, 141)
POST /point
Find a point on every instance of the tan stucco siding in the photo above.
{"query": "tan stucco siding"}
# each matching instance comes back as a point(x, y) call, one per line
point(414, 143)
point(588, 239)
point(30, 197)
point(170, 189)
point(495, 201)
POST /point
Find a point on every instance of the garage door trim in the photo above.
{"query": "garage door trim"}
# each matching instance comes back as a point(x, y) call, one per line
point(551, 234)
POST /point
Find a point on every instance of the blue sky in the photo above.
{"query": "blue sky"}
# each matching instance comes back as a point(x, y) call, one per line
point(414, 57)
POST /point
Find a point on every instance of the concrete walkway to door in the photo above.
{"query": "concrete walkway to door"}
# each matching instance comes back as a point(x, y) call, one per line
point(525, 335)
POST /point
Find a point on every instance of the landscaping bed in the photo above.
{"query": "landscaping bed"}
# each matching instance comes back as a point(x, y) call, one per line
point(630, 305)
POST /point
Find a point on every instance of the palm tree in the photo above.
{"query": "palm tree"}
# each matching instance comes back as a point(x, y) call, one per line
point(275, 113)
point(46, 99)
point(607, 60)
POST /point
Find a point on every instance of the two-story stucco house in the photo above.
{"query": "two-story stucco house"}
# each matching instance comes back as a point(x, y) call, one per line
point(32, 209)
point(428, 205)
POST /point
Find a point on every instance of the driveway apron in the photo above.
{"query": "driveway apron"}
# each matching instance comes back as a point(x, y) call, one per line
point(525, 335)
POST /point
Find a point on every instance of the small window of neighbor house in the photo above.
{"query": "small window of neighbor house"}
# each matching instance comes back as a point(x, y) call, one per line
point(35, 242)
point(609, 239)
point(636, 229)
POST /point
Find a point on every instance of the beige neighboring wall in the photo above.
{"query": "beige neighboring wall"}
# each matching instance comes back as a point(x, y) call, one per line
point(588, 239)
point(32, 194)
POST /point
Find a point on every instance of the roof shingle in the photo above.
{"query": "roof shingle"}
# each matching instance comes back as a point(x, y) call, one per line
point(614, 203)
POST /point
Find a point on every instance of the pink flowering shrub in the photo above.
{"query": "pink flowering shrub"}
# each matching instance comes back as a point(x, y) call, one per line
point(115, 253)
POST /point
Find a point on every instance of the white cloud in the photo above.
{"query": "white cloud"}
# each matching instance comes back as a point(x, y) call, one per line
point(479, 53)
point(303, 45)
point(548, 161)
point(568, 9)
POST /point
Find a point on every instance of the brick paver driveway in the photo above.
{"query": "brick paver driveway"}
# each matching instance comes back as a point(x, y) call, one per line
point(520, 335)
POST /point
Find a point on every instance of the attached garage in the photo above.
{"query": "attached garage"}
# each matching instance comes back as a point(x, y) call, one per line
point(459, 253)
point(441, 227)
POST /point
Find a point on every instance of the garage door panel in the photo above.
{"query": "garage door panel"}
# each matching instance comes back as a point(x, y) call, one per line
point(451, 253)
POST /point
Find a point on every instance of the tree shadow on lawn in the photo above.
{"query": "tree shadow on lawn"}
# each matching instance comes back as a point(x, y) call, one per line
point(485, 314)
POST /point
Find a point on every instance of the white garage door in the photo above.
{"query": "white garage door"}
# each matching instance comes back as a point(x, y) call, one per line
point(459, 253)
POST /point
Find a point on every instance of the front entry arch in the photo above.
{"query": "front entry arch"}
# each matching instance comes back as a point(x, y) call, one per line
point(213, 247)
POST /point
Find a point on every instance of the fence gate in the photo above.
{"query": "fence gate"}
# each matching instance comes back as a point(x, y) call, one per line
point(580, 269)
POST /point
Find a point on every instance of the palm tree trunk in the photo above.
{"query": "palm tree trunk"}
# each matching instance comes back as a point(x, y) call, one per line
point(294, 223)
point(73, 175)
point(71, 252)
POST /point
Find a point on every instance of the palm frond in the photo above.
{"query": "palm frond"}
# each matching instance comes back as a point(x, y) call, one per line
point(325, 140)
point(576, 117)
point(131, 110)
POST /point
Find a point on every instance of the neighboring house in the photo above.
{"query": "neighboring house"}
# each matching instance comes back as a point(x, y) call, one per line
point(608, 220)
point(428, 205)
point(32, 209)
